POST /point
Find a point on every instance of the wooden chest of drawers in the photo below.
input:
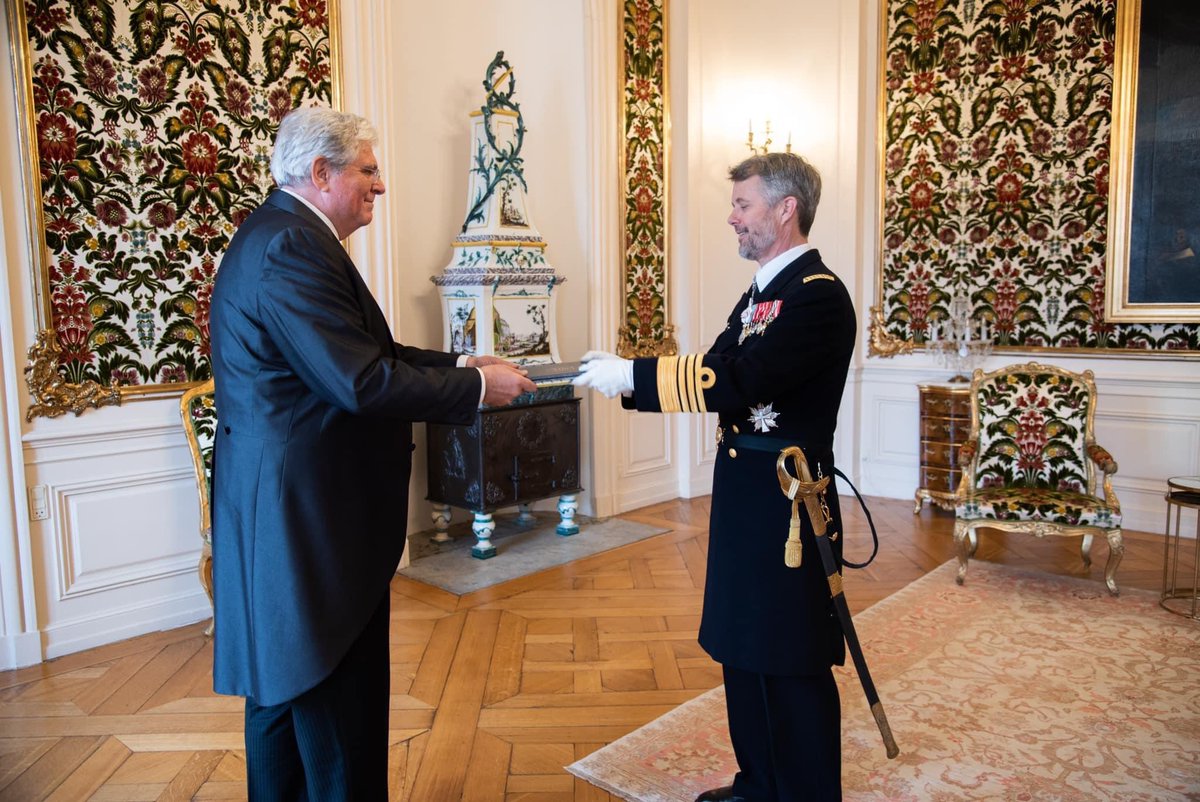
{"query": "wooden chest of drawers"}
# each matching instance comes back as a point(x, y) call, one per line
point(945, 424)
point(508, 456)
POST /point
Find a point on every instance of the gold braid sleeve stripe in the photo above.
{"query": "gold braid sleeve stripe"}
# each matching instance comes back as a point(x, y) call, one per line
point(682, 381)
point(668, 389)
point(687, 390)
point(694, 383)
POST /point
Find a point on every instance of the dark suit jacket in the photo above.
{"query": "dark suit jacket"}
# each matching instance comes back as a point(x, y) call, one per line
point(313, 451)
point(760, 615)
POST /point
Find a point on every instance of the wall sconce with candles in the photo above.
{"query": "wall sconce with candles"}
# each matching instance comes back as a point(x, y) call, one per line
point(958, 343)
point(765, 147)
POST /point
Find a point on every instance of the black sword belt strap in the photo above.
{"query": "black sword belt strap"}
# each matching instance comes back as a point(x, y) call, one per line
point(762, 442)
point(802, 485)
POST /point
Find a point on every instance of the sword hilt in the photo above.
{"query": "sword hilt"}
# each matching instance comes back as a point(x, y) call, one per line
point(802, 486)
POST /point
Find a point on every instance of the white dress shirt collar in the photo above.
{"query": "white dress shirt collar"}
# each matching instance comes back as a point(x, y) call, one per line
point(767, 273)
point(316, 211)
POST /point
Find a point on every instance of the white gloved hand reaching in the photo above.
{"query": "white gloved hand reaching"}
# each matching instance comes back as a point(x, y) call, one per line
point(605, 373)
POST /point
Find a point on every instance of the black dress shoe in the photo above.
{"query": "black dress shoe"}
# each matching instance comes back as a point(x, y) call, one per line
point(720, 795)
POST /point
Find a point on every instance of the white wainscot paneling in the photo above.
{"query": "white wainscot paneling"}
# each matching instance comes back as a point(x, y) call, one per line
point(1152, 438)
point(1148, 452)
point(124, 530)
point(117, 555)
point(649, 443)
point(650, 476)
point(890, 440)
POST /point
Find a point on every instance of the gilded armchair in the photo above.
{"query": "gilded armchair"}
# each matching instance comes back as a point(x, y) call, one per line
point(199, 413)
point(1031, 463)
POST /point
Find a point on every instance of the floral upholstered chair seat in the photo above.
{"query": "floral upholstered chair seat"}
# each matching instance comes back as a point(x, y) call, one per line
point(1030, 463)
point(198, 410)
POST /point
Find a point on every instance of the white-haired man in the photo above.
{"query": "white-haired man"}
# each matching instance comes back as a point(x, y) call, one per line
point(312, 460)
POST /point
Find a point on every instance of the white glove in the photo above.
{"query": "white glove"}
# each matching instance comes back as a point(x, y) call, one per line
point(610, 375)
point(590, 355)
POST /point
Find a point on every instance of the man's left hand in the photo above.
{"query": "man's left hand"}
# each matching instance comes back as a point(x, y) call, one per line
point(484, 361)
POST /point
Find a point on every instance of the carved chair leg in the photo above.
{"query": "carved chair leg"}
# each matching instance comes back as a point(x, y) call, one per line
point(206, 582)
point(964, 546)
point(1116, 550)
point(1085, 551)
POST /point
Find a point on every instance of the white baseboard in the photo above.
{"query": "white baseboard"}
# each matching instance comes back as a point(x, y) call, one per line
point(634, 495)
point(701, 482)
point(18, 651)
point(116, 625)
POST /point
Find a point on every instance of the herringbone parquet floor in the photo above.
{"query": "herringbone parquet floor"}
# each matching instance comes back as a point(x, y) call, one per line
point(492, 693)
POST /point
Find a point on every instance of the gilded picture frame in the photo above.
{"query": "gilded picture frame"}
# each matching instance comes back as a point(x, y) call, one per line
point(1153, 267)
point(141, 154)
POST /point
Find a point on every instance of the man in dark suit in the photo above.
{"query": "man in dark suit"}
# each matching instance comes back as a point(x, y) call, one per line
point(775, 377)
point(312, 461)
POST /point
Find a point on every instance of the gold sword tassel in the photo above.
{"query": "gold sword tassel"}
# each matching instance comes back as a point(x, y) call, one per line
point(811, 494)
point(793, 549)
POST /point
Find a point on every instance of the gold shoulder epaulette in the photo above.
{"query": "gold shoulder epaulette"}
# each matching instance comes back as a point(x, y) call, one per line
point(682, 381)
point(815, 276)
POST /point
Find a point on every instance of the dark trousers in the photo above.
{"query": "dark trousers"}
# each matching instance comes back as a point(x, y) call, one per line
point(786, 734)
point(330, 743)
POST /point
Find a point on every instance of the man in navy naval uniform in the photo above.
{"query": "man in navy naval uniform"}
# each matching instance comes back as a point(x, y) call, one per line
point(775, 377)
point(315, 402)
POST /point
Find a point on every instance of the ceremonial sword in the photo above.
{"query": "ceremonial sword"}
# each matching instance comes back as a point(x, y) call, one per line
point(813, 493)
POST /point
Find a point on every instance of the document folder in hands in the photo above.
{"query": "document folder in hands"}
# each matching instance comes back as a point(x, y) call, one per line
point(547, 374)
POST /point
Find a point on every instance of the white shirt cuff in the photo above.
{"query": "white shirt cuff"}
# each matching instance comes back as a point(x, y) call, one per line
point(462, 363)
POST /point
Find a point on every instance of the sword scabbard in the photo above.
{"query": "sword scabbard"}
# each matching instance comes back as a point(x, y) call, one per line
point(802, 486)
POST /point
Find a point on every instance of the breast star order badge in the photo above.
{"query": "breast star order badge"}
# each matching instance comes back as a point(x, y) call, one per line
point(763, 417)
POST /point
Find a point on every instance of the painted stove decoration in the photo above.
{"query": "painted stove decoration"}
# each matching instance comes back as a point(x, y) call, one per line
point(498, 296)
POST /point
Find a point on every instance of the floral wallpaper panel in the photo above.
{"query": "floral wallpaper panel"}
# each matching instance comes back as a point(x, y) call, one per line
point(645, 330)
point(153, 124)
point(997, 119)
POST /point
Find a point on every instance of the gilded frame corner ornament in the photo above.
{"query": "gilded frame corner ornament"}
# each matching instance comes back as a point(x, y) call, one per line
point(89, 152)
point(51, 394)
point(645, 129)
point(883, 343)
point(1119, 307)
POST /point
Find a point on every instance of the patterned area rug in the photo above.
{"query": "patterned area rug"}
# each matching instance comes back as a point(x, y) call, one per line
point(521, 549)
point(1016, 686)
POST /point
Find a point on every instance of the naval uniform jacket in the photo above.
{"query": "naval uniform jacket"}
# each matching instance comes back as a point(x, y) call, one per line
point(313, 451)
point(784, 367)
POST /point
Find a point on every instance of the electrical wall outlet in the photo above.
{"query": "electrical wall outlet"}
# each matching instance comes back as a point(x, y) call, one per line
point(39, 508)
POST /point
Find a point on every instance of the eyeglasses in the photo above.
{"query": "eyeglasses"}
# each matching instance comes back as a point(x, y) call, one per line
point(375, 174)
